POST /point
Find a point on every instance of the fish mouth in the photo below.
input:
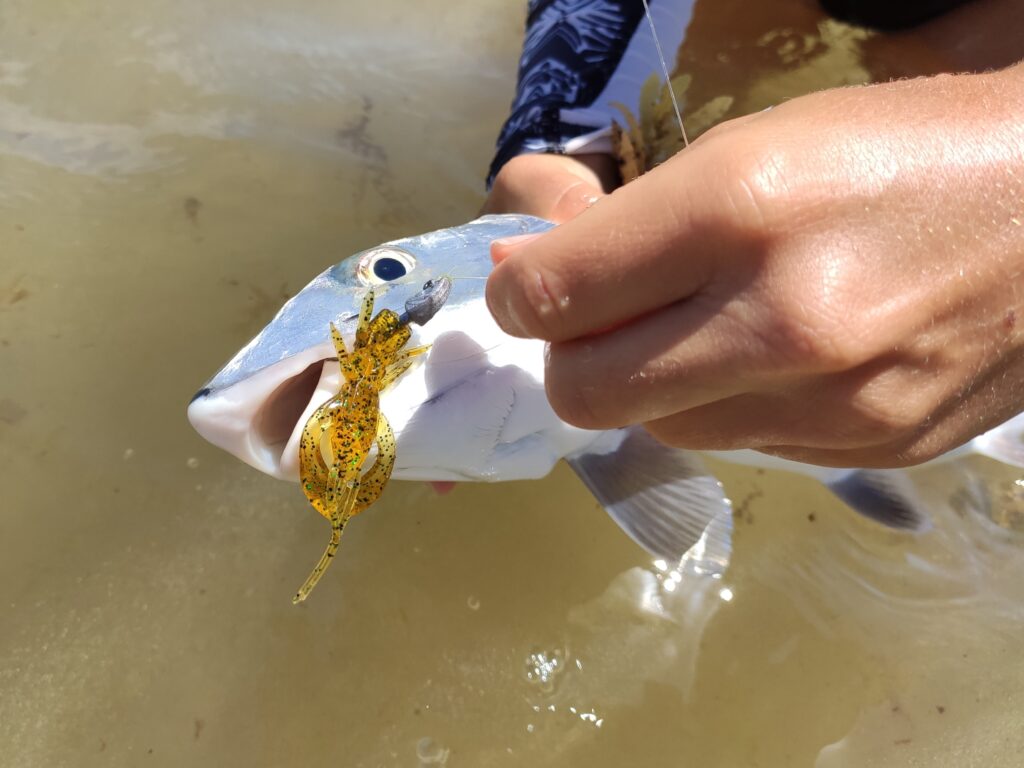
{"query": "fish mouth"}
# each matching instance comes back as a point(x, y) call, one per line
point(260, 418)
point(275, 421)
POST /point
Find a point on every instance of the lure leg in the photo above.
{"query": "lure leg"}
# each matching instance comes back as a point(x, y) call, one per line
point(365, 316)
point(401, 364)
point(372, 483)
point(339, 517)
point(313, 471)
point(339, 347)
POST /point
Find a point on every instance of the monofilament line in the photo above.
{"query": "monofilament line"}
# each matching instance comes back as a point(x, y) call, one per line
point(664, 69)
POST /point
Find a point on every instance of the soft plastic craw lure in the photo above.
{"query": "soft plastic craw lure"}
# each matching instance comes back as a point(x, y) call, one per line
point(340, 435)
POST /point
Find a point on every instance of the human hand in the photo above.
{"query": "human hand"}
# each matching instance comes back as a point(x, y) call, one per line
point(838, 281)
point(553, 187)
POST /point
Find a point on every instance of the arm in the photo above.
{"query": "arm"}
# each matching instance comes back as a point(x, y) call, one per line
point(578, 57)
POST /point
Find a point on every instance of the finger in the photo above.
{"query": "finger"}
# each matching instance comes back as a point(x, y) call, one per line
point(720, 129)
point(952, 424)
point(733, 423)
point(548, 186)
point(715, 373)
point(747, 421)
point(575, 197)
point(556, 197)
point(651, 243)
point(687, 355)
point(814, 416)
point(882, 456)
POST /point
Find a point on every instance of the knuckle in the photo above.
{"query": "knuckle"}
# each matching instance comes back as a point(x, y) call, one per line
point(670, 431)
point(803, 326)
point(683, 430)
point(715, 133)
point(574, 404)
point(576, 394)
point(887, 415)
point(757, 183)
point(540, 303)
point(573, 199)
point(818, 345)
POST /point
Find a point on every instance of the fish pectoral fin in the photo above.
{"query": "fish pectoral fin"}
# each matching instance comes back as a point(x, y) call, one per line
point(886, 496)
point(662, 497)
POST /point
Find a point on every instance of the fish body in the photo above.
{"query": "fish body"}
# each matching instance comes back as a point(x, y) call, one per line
point(476, 410)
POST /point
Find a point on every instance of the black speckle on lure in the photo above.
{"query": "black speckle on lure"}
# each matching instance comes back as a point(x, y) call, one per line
point(339, 435)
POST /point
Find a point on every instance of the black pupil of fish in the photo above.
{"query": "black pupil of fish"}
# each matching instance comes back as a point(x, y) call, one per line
point(387, 268)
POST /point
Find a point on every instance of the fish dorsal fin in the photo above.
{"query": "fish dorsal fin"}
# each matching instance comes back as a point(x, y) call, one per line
point(663, 498)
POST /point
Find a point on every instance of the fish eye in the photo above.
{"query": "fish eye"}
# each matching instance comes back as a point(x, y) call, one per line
point(384, 265)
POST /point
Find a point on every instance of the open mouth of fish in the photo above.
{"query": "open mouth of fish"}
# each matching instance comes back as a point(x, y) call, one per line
point(260, 418)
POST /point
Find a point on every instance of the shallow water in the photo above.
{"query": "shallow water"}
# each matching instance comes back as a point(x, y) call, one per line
point(169, 174)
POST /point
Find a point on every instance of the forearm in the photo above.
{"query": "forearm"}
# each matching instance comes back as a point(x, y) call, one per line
point(579, 57)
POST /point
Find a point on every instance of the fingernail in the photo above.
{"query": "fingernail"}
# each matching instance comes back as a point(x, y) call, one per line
point(504, 247)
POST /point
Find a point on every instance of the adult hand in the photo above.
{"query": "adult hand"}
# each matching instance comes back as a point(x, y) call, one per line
point(553, 187)
point(838, 281)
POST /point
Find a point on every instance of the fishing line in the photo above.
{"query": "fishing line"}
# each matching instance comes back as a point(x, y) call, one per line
point(482, 353)
point(664, 69)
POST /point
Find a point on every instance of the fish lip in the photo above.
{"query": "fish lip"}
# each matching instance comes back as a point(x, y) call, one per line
point(201, 393)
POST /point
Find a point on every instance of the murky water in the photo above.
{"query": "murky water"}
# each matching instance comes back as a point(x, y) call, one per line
point(169, 173)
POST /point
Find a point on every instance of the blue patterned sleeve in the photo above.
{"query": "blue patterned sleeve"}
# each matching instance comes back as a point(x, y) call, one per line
point(580, 56)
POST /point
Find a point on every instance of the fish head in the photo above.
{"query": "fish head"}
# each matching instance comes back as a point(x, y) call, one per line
point(473, 409)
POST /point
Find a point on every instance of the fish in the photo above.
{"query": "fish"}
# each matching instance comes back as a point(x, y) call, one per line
point(474, 407)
